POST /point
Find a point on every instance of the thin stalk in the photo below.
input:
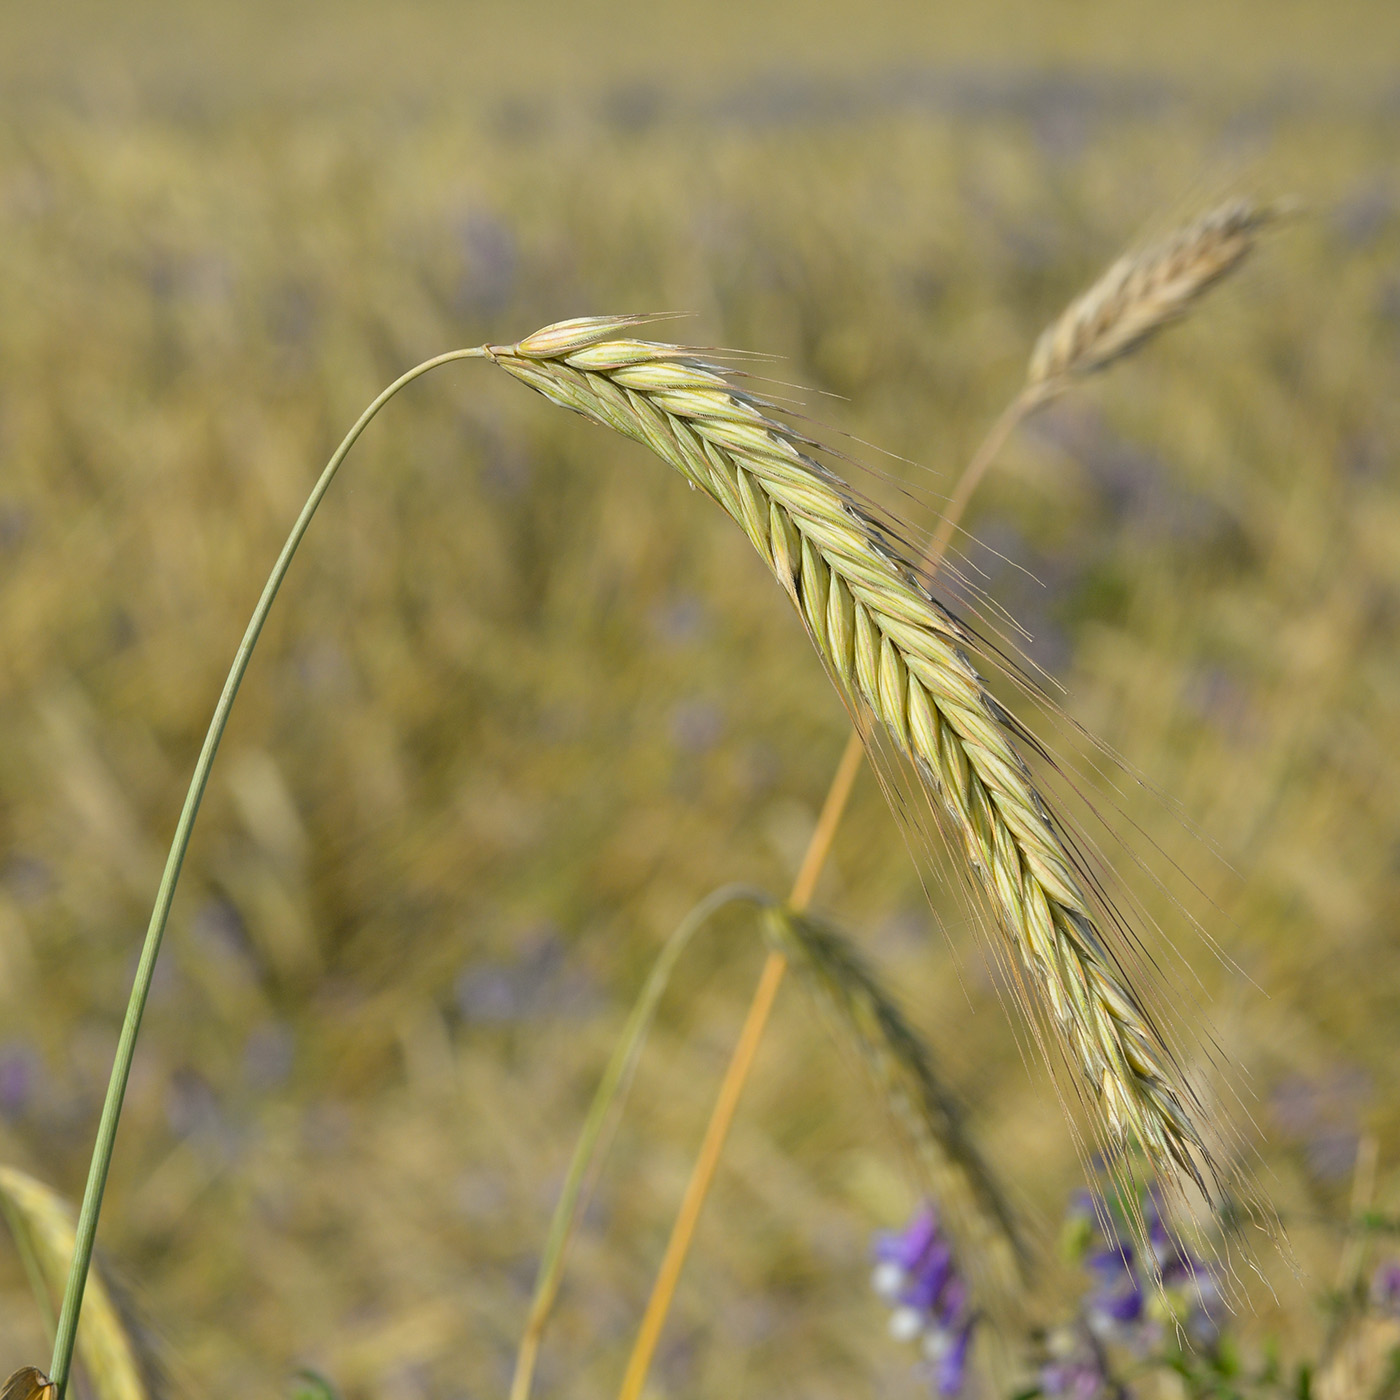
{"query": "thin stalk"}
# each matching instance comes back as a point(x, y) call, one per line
point(683, 1231)
point(611, 1089)
point(66, 1334)
point(735, 1077)
point(824, 833)
point(1363, 1190)
point(770, 979)
point(1032, 396)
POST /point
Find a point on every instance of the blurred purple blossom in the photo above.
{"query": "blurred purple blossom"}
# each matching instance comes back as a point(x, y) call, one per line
point(916, 1273)
point(1385, 1287)
point(539, 981)
point(696, 726)
point(1323, 1115)
point(1115, 1306)
point(268, 1055)
point(28, 879)
point(1077, 1369)
point(1133, 1297)
point(19, 1071)
point(490, 262)
point(680, 620)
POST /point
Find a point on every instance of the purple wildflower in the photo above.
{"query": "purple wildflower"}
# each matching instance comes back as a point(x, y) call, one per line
point(1076, 1368)
point(1134, 1300)
point(1076, 1380)
point(18, 1070)
point(950, 1365)
point(907, 1246)
point(916, 1272)
point(1385, 1288)
point(1115, 1307)
point(1190, 1288)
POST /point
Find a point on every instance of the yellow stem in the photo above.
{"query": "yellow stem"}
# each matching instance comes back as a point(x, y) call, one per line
point(813, 862)
point(976, 469)
point(735, 1077)
point(819, 847)
point(683, 1231)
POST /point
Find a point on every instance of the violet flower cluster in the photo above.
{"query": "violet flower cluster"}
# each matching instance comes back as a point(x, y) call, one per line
point(1149, 1299)
point(1135, 1301)
point(1153, 1308)
point(1076, 1367)
point(1385, 1288)
point(915, 1272)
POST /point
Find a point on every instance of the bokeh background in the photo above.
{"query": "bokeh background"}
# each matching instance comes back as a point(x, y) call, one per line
point(525, 699)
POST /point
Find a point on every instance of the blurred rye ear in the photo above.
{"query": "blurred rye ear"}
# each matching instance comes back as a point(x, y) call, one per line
point(893, 651)
point(42, 1224)
point(1144, 291)
point(862, 1013)
point(1139, 294)
point(970, 1201)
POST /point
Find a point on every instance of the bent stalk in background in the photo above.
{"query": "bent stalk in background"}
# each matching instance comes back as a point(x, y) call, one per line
point(612, 1089)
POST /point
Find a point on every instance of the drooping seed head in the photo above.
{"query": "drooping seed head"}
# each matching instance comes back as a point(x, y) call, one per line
point(1143, 292)
point(894, 651)
point(901, 1064)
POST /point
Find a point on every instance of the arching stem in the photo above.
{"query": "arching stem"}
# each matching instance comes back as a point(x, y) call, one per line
point(66, 1334)
point(607, 1101)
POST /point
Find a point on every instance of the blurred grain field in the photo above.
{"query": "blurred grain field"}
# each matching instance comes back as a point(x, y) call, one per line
point(525, 700)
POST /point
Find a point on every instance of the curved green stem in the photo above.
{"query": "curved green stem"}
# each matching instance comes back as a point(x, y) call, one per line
point(613, 1085)
point(66, 1333)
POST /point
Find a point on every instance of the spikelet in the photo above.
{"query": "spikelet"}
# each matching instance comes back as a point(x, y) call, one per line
point(972, 1205)
point(43, 1224)
point(1134, 299)
point(1141, 293)
point(894, 651)
point(29, 1383)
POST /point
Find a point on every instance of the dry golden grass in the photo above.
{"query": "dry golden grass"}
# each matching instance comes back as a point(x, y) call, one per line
point(527, 702)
